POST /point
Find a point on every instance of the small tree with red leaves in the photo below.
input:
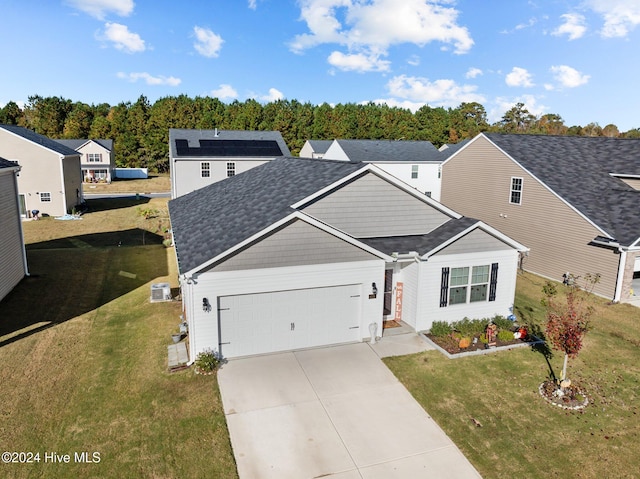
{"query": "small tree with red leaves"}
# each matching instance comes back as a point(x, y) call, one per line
point(568, 315)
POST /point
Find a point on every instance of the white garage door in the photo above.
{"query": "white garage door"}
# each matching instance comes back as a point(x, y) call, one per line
point(285, 320)
point(637, 265)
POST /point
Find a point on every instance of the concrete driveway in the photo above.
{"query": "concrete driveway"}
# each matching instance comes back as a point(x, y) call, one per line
point(335, 412)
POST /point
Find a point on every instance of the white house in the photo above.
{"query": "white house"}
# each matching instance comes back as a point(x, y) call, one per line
point(13, 258)
point(299, 253)
point(315, 148)
point(417, 163)
point(199, 158)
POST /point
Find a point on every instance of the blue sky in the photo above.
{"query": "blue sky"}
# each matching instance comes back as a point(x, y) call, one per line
point(576, 58)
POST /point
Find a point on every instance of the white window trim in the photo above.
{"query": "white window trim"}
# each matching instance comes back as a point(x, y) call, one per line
point(94, 157)
point(231, 166)
point(415, 171)
point(470, 284)
point(42, 200)
point(511, 190)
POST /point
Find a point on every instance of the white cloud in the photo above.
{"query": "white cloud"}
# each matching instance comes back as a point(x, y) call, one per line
point(573, 26)
point(358, 62)
point(519, 77)
point(414, 60)
point(253, 4)
point(369, 27)
point(273, 95)
point(123, 39)
point(569, 77)
point(224, 91)
point(208, 44)
point(421, 91)
point(149, 79)
point(100, 8)
point(620, 16)
point(473, 73)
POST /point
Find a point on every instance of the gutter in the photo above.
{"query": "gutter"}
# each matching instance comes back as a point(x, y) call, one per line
point(24, 248)
point(621, 266)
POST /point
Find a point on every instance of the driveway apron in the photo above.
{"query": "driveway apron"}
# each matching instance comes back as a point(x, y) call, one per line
point(335, 412)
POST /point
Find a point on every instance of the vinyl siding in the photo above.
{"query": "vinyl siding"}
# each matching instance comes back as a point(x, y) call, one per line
point(41, 172)
point(297, 244)
point(476, 241)
point(429, 309)
point(11, 248)
point(372, 207)
point(476, 183)
point(186, 174)
point(632, 182)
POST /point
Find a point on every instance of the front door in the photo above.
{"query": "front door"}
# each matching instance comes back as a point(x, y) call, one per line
point(388, 292)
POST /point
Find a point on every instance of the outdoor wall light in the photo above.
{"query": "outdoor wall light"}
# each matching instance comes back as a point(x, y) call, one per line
point(206, 305)
point(374, 288)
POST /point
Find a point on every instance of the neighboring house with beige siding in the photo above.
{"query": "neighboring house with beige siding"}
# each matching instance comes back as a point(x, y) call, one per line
point(13, 258)
point(198, 158)
point(573, 201)
point(98, 160)
point(50, 179)
point(299, 253)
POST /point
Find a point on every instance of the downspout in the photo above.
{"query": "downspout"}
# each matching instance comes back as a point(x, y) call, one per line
point(64, 190)
point(619, 280)
point(24, 249)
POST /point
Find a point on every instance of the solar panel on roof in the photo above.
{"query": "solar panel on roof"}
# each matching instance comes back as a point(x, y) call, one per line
point(247, 148)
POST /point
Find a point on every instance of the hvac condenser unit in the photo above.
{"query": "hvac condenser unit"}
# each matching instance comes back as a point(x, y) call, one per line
point(160, 292)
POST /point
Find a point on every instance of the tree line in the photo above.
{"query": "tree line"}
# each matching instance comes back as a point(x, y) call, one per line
point(140, 130)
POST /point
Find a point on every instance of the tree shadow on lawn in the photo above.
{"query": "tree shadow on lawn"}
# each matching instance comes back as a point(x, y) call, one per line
point(130, 237)
point(105, 204)
point(68, 282)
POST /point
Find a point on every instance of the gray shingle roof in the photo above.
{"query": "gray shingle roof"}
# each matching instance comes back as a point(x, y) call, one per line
point(39, 139)
point(578, 170)
point(76, 143)
point(451, 148)
point(213, 219)
point(193, 138)
point(421, 243)
point(7, 164)
point(390, 150)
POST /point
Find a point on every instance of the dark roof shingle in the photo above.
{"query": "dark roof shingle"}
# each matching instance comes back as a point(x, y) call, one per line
point(213, 219)
point(39, 139)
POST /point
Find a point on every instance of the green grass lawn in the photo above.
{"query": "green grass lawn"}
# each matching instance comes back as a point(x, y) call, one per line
point(156, 183)
point(83, 359)
point(521, 434)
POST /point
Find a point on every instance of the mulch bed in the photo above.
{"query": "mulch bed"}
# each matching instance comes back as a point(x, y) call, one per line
point(570, 397)
point(451, 344)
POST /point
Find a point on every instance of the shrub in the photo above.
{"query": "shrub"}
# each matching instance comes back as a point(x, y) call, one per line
point(208, 361)
point(504, 335)
point(464, 327)
point(441, 328)
point(502, 322)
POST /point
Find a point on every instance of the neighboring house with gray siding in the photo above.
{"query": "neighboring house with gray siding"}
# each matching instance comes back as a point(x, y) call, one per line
point(98, 160)
point(50, 178)
point(13, 258)
point(198, 158)
point(299, 253)
point(572, 200)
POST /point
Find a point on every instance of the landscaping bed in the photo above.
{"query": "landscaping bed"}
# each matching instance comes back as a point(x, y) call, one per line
point(479, 335)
